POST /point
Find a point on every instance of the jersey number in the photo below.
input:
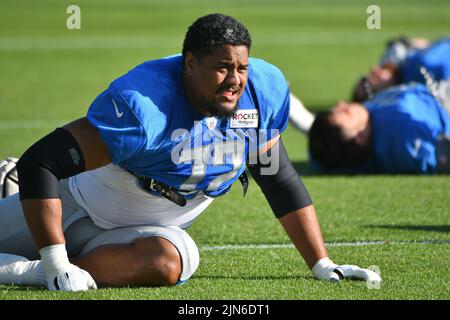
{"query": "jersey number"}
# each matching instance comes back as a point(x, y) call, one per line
point(201, 157)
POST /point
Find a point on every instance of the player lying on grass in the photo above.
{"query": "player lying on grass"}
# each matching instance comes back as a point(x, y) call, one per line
point(106, 198)
point(403, 129)
point(405, 61)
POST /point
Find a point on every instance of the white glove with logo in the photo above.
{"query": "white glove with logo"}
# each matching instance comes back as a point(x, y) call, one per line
point(325, 269)
point(61, 274)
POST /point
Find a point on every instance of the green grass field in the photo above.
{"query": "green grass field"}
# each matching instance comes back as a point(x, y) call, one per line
point(50, 75)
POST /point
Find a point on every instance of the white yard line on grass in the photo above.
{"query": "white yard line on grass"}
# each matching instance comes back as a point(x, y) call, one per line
point(331, 244)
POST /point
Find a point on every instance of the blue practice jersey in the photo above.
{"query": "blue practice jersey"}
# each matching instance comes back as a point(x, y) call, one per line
point(151, 129)
point(406, 122)
point(435, 59)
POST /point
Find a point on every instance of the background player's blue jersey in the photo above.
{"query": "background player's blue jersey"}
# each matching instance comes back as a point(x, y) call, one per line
point(435, 59)
point(406, 122)
point(151, 128)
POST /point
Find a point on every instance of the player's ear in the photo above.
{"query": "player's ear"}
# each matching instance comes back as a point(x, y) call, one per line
point(363, 137)
point(190, 62)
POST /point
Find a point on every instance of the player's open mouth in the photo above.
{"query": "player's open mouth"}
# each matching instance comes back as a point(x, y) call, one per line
point(229, 94)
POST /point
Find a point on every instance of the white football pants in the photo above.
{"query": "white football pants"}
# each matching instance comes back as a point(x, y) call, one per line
point(82, 235)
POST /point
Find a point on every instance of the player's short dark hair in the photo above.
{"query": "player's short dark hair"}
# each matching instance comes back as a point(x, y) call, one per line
point(213, 31)
point(328, 147)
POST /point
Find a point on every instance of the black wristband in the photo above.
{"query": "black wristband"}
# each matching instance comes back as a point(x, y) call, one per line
point(54, 157)
point(284, 190)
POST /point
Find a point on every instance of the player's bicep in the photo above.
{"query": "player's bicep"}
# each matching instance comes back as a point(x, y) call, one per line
point(93, 149)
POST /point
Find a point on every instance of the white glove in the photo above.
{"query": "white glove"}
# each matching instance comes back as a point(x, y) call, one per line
point(325, 269)
point(61, 274)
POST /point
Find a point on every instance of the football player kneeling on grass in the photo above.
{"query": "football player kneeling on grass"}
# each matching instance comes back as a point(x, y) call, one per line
point(107, 198)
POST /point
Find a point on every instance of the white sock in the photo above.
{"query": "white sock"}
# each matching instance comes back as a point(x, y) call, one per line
point(16, 269)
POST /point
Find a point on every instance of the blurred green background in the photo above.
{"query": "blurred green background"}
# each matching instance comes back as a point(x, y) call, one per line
point(49, 74)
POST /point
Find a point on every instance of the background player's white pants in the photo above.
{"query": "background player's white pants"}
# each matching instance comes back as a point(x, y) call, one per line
point(443, 94)
point(82, 235)
point(299, 116)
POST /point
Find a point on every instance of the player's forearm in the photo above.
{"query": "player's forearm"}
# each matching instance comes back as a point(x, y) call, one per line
point(303, 229)
point(43, 217)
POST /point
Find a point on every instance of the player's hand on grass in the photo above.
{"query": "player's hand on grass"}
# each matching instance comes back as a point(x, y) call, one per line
point(61, 274)
point(325, 269)
point(73, 279)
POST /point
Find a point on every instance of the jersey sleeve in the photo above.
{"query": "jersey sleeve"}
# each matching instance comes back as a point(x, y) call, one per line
point(118, 126)
point(276, 112)
point(273, 94)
